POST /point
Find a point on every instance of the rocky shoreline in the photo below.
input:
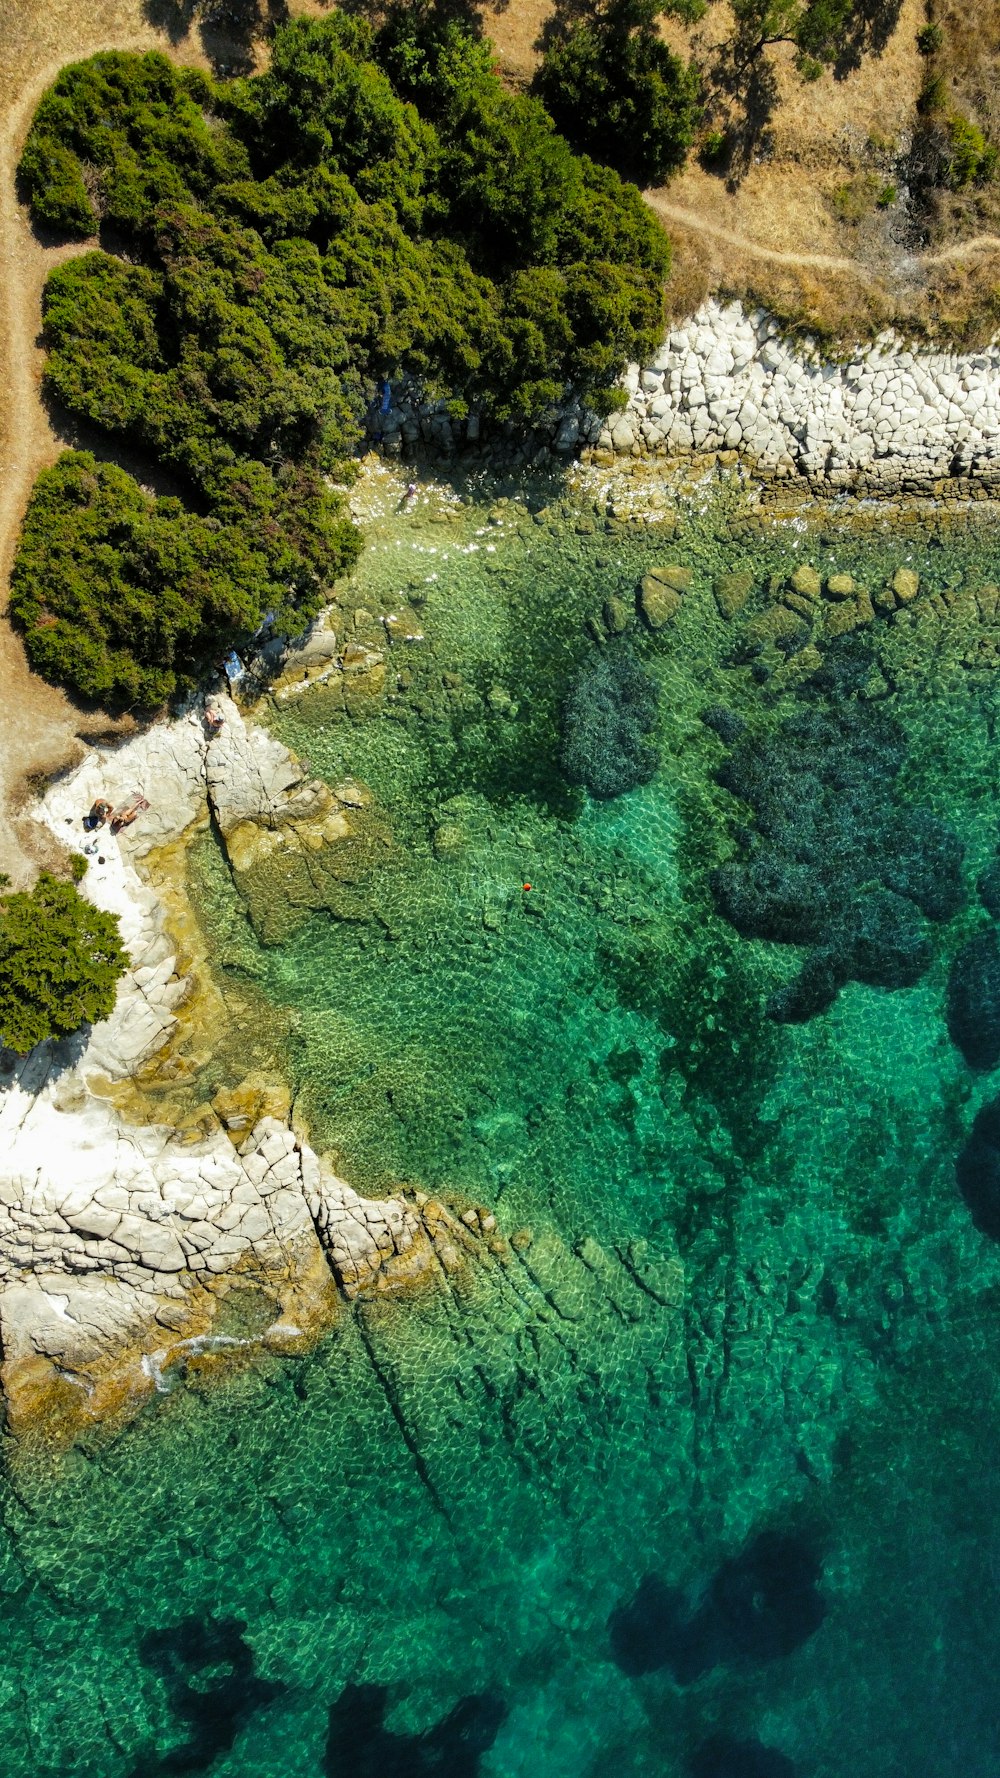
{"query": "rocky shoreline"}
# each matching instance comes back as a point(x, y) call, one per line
point(890, 420)
point(128, 1249)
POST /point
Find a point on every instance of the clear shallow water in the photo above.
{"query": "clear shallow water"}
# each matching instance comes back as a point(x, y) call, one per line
point(746, 1296)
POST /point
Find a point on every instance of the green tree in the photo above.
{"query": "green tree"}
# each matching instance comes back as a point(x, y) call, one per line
point(124, 598)
point(619, 93)
point(60, 961)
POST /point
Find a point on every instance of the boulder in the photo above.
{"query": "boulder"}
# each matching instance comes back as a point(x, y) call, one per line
point(973, 1006)
point(673, 576)
point(618, 616)
point(806, 581)
point(732, 591)
point(905, 585)
point(775, 628)
point(978, 1170)
point(841, 586)
point(658, 602)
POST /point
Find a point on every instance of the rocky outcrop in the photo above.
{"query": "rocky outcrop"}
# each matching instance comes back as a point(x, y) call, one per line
point(124, 1248)
point(294, 844)
point(888, 419)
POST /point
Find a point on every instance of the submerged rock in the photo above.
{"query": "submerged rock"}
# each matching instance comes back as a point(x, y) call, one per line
point(978, 1170)
point(294, 844)
point(973, 1007)
point(610, 710)
point(659, 601)
point(358, 1745)
point(732, 591)
point(988, 887)
point(723, 1757)
point(208, 1670)
point(834, 861)
point(759, 1606)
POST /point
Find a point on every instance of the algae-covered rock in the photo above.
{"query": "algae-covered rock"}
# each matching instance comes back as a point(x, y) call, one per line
point(256, 1096)
point(608, 715)
point(658, 602)
point(618, 616)
point(402, 624)
point(449, 839)
point(778, 627)
point(293, 843)
point(673, 575)
point(841, 619)
point(906, 585)
point(806, 581)
point(841, 586)
point(732, 591)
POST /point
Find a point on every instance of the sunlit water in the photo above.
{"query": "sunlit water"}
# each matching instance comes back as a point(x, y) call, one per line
point(746, 1296)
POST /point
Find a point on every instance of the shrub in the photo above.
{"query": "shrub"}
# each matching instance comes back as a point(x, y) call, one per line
point(610, 710)
point(60, 959)
point(930, 39)
point(970, 159)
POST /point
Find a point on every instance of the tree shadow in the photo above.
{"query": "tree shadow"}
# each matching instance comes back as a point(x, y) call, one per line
point(230, 31)
point(868, 34)
point(45, 1063)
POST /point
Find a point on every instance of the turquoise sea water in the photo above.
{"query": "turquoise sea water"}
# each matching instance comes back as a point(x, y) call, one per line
point(704, 1479)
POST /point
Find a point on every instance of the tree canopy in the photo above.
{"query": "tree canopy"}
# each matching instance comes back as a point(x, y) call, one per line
point(60, 960)
point(619, 92)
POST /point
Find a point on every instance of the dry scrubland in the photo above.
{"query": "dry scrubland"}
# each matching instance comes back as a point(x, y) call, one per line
point(794, 224)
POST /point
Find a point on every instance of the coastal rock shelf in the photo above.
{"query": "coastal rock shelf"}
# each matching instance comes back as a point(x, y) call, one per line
point(119, 1243)
point(889, 419)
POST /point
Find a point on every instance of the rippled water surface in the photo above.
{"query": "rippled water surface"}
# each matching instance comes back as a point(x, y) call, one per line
point(702, 1480)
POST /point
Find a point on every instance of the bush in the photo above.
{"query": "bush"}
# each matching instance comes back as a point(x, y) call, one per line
point(621, 95)
point(60, 960)
point(611, 708)
point(929, 40)
point(970, 159)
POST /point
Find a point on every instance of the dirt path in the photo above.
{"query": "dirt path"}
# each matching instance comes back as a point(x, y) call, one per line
point(700, 225)
point(829, 262)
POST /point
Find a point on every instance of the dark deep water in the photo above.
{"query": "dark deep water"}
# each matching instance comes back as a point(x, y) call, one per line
point(704, 1483)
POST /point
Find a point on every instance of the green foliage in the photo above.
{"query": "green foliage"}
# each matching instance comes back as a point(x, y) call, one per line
point(822, 30)
point(930, 39)
point(373, 204)
point(122, 596)
point(60, 958)
point(118, 135)
point(970, 159)
point(619, 93)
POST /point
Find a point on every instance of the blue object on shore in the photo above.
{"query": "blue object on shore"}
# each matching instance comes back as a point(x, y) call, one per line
point(386, 396)
point(233, 667)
